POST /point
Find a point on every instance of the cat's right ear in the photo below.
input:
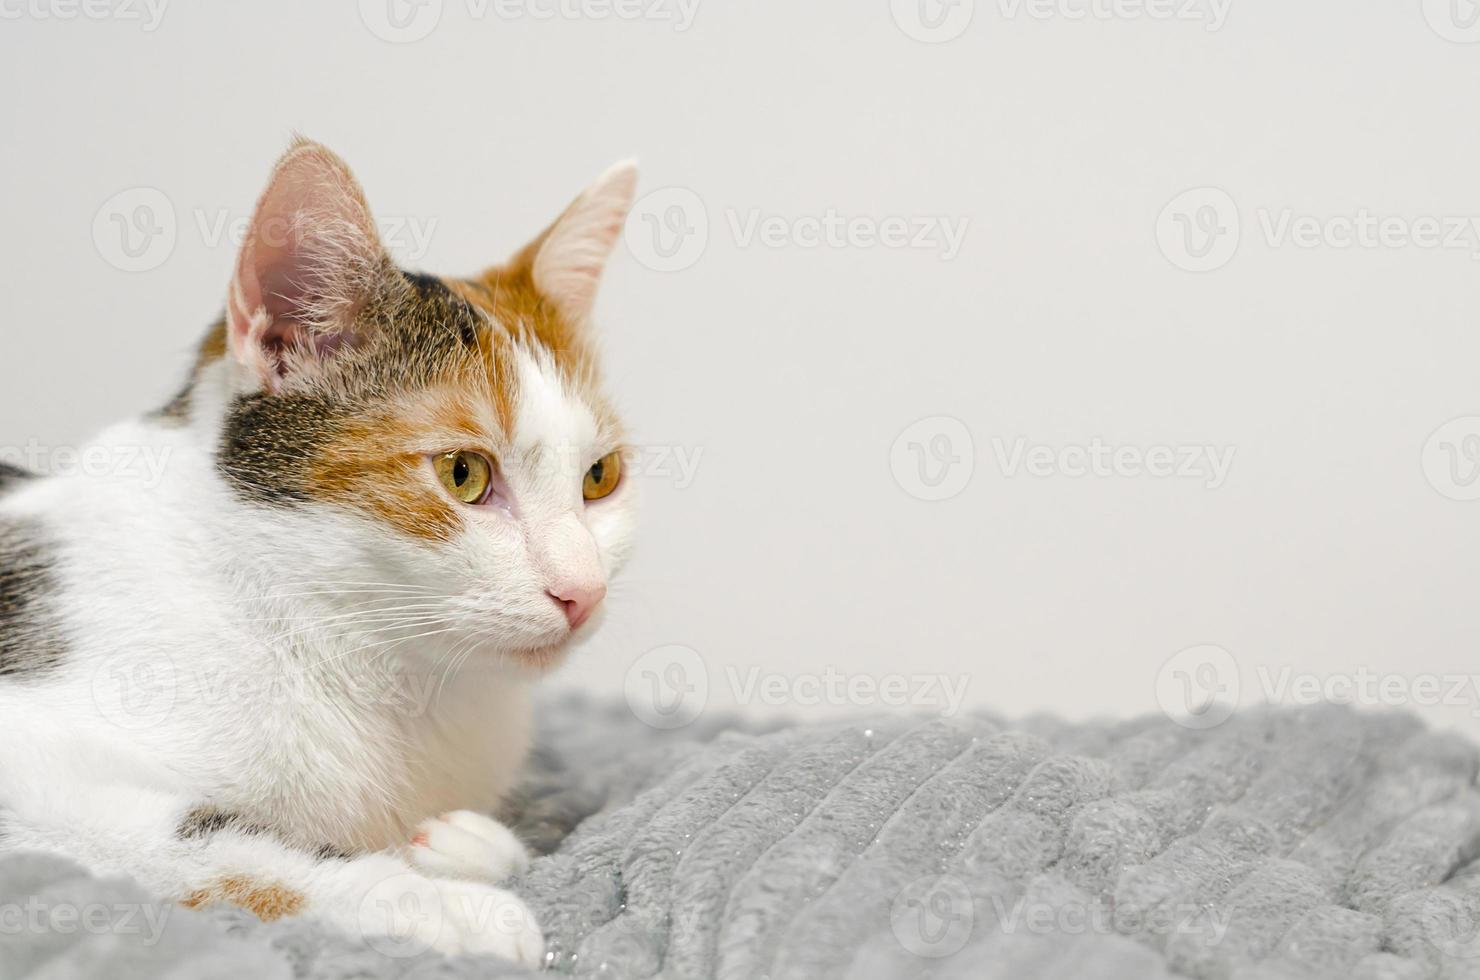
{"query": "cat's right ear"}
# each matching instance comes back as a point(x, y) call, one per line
point(310, 260)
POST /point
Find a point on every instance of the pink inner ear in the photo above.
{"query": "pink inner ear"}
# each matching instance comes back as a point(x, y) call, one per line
point(284, 298)
point(309, 252)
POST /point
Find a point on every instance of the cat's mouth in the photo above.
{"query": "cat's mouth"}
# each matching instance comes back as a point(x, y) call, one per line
point(540, 649)
point(547, 654)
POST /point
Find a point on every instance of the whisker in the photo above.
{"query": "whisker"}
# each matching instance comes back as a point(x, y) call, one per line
point(370, 646)
point(345, 615)
point(375, 626)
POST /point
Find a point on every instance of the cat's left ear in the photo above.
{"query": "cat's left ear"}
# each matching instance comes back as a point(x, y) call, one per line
point(310, 261)
point(567, 261)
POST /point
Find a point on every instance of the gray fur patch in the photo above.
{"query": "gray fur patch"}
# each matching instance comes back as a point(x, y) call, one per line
point(269, 441)
point(414, 332)
point(31, 635)
point(206, 820)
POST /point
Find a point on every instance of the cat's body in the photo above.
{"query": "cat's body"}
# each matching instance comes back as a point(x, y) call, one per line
point(262, 673)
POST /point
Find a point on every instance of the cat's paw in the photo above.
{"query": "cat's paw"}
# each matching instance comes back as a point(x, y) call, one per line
point(405, 913)
point(464, 844)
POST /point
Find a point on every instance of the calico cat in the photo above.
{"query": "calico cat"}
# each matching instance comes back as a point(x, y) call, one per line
point(293, 672)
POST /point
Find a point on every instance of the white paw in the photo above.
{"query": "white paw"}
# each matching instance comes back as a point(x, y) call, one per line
point(481, 920)
point(405, 913)
point(463, 844)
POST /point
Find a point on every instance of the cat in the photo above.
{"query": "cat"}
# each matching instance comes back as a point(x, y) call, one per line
point(292, 673)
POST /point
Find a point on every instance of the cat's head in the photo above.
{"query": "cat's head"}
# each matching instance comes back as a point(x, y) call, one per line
point(446, 441)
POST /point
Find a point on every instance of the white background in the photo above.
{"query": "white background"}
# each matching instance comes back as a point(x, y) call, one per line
point(793, 370)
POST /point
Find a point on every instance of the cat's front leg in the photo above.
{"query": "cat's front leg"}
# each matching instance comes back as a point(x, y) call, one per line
point(464, 844)
point(201, 856)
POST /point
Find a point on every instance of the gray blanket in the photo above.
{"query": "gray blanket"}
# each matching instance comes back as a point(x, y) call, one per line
point(1284, 843)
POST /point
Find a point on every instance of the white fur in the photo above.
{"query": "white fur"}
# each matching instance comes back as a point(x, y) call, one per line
point(247, 657)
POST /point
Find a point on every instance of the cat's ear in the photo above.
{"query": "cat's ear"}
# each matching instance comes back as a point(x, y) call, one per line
point(568, 259)
point(310, 259)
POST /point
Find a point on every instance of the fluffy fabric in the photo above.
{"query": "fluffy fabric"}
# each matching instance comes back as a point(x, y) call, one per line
point(1284, 843)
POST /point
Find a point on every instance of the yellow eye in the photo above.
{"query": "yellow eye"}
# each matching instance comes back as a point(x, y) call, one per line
point(603, 478)
point(465, 475)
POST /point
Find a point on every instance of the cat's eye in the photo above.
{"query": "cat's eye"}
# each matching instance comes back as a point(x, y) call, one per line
point(602, 478)
point(467, 476)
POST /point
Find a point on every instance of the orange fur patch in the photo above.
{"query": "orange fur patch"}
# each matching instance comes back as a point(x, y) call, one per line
point(376, 459)
point(508, 294)
point(361, 469)
point(497, 348)
point(380, 463)
point(213, 347)
point(266, 900)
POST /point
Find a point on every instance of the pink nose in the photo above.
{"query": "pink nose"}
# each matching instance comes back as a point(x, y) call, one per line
point(578, 600)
